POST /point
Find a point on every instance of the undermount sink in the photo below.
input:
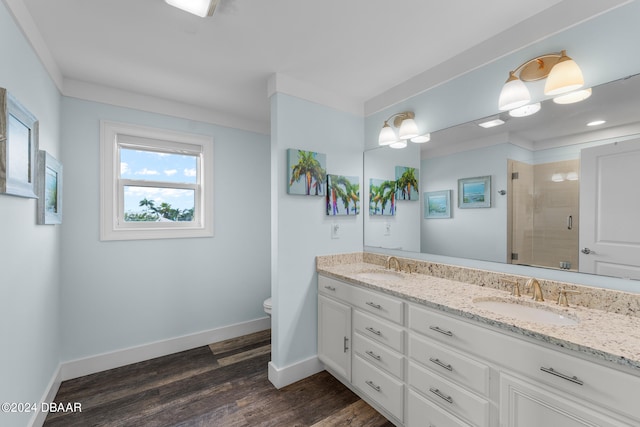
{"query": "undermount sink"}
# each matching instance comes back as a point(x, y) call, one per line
point(379, 275)
point(522, 311)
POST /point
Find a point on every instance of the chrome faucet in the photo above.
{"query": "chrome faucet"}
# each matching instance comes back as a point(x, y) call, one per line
point(536, 289)
point(392, 258)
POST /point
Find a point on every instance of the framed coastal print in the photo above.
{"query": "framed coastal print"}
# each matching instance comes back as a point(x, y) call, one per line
point(474, 192)
point(407, 183)
point(18, 147)
point(306, 172)
point(382, 197)
point(49, 189)
point(437, 204)
point(343, 195)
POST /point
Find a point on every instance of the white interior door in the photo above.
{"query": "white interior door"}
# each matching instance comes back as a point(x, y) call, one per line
point(610, 209)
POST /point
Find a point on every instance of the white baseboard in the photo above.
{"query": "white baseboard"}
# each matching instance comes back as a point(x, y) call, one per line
point(281, 377)
point(38, 418)
point(102, 362)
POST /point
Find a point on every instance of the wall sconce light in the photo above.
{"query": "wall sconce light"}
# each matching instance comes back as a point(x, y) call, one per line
point(562, 73)
point(407, 130)
point(202, 8)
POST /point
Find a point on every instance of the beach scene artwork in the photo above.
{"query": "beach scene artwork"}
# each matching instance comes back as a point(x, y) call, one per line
point(407, 183)
point(343, 195)
point(437, 204)
point(474, 192)
point(382, 197)
point(306, 172)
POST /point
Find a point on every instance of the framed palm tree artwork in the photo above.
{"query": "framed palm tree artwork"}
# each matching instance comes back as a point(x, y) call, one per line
point(306, 172)
point(343, 195)
point(407, 183)
point(382, 197)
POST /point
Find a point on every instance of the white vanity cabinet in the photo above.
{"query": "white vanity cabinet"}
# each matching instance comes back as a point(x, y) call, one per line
point(425, 367)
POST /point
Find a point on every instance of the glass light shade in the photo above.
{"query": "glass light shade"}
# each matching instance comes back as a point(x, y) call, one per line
point(514, 94)
point(571, 97)
point(526, 110)
point(399, 144)
point(564, 77)
point(557, 177)
point(408, 129)
point(201, 8)
point(387, 135)
point(421, 138)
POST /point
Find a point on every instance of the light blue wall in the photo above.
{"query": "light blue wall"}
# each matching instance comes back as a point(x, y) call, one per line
point(301, 230)
point(605, 48)
point(121, 294)
point(444, 237)
point(29, 253)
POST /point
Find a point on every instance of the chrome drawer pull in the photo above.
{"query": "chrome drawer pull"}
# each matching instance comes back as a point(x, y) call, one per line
point(373, 331)
point(373, 385)
point(441, 395)
point(374, 305)
point(331, 288)
point(441, 364)
point(372, 354)
point(346, 344)
point(552, 371)
point(442, 331)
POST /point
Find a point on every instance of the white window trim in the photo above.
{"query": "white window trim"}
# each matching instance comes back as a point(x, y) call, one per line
point(112, 199)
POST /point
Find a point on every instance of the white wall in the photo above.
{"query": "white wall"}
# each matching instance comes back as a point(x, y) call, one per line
point(301, 230)
point(29, 253)
point(122, 294)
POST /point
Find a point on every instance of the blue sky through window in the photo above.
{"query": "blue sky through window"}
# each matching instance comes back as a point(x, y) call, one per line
point(158, 167)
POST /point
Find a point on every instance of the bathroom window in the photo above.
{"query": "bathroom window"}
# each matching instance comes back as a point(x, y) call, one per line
point(155, 184)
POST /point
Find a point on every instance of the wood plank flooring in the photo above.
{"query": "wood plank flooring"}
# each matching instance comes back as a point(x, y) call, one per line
point(223, 384)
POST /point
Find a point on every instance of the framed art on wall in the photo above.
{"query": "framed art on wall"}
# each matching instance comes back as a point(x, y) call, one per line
point(49, 189)
point(474, 192)
point(437, 204)
point(343, 195)
point(18, 147)
point(306, 172)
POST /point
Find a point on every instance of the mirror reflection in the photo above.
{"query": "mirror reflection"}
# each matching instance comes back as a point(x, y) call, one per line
point(561, 187)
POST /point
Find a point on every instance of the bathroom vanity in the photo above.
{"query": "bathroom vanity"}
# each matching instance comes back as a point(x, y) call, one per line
point(430, 351)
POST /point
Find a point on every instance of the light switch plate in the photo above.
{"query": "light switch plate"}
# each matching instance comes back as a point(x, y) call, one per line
point(335, 230)
point(387, 229)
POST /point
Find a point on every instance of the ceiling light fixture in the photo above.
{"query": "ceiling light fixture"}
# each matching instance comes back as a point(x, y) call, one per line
point(202, 8)
point(407, 129)
point(491, 123)
point(562, 73)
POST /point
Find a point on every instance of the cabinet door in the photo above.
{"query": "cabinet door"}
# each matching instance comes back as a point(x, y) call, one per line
point(334, 336)
point(527, 404)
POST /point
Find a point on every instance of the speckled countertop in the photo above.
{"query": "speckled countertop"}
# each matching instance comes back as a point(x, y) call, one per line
point(599, 334)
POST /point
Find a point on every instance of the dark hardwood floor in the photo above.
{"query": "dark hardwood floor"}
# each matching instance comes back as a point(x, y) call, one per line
point(223, 384)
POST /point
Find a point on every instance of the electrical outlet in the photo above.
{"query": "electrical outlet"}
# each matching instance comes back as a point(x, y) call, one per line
point(387, 229)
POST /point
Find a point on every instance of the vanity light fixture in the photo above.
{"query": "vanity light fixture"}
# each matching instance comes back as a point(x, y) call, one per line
point(201, 8)
point(562, 73)
point(407, 130)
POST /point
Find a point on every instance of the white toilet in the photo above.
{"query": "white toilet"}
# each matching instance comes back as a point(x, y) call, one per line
point(267, 306)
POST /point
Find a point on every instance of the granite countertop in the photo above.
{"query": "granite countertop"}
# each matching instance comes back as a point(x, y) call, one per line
point(598, 334)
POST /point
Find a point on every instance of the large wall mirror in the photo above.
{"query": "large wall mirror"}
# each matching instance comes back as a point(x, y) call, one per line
point(564, 195)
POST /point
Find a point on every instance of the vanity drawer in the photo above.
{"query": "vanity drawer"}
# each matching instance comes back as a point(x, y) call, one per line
point(448, 395)
point(450, 364)
point(448, 330)
point(379, 355)
point(385, 390)
point(379, 330)
point(379, 304)
point(334, 288)
point(423, 412)
point(604, 386)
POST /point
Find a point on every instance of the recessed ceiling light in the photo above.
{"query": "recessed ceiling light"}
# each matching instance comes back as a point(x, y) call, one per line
point(526, 110)
point(491, 123)
point(596, 123)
